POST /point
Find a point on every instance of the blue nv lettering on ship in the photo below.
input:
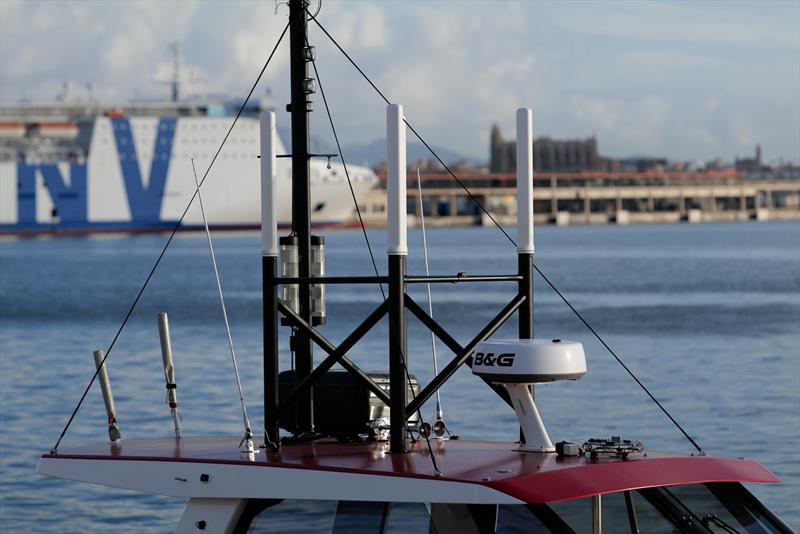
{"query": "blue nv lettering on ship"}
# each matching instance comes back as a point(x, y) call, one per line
point(81, 168)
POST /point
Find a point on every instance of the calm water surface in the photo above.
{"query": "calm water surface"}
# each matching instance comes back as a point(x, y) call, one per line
point(707, 315)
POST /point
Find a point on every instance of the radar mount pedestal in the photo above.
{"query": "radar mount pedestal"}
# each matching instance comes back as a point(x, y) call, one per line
point(520, 363)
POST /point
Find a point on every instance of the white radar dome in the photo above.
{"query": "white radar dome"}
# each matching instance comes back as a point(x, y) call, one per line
point(529, 361)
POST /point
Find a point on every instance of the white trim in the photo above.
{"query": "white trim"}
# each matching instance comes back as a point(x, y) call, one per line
point(228, 481)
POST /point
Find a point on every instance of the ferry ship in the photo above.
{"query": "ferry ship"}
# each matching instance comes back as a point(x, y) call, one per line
point(84, 167)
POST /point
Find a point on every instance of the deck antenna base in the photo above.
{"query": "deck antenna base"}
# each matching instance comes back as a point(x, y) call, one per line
point(248, 452)
point(114, 435)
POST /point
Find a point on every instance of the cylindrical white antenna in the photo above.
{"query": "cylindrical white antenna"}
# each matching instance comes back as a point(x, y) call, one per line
point(525, 180)
point(169, 370)
point(396, 180)
point(269, 219)
point(108, 398)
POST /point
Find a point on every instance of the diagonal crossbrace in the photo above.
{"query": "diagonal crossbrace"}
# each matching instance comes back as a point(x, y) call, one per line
point(335, 354)
point(463, 355)
point(433, 326)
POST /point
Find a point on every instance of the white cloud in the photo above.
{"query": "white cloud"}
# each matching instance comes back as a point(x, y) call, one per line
point(662, 78)
point(752, 24)
point(642, 123)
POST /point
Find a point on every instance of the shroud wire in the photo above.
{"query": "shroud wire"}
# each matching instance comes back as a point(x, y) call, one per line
point(150, 274)
point(247, 432)
point(439, 415)
point(511, 240)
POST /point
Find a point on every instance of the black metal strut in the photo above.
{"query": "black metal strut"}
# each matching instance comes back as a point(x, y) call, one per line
point(301, 195)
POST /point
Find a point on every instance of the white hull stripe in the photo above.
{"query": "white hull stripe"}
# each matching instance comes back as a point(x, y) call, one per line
point(230, 481)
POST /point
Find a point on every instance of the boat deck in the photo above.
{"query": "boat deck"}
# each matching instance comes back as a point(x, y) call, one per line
point(484, 468)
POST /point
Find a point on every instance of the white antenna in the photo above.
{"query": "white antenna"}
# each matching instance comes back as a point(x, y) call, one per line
point(248, 435)
point(397, 234)
point(439, 427)
point(169, 371)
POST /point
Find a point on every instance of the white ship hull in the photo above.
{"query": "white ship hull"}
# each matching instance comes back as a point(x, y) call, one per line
point(138, 176)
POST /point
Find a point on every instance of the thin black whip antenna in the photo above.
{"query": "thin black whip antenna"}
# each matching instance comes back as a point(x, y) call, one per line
point(54, 450)
point(511, 240)
point(369, 248)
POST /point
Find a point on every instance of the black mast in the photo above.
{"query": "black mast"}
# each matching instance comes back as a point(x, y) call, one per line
point(301, 88)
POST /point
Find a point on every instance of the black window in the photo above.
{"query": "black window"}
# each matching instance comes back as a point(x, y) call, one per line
point(332, 517)
point(717, 507)
point(301, 517)
point(696, 508)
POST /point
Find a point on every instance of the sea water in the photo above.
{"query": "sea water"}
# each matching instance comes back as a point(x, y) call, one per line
point(707, 316)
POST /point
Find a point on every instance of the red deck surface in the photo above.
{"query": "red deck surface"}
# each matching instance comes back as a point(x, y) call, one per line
point(530, 477)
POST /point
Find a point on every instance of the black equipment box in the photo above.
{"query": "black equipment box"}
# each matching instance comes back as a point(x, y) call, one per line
point(343, 406)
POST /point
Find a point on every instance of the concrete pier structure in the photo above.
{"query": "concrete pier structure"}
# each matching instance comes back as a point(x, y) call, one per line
point(598, 198)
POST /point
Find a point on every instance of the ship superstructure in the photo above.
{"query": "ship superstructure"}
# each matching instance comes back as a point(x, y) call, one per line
point(85, 167)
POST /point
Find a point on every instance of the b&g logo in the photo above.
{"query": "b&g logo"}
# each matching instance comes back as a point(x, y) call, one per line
point(489, 360)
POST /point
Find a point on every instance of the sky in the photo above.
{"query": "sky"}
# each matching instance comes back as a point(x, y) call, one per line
point(684, 80)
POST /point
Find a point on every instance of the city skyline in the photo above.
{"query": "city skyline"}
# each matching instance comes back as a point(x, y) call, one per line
point(685, 81)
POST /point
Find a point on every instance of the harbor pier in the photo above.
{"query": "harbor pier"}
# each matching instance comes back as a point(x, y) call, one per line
point(591, 197)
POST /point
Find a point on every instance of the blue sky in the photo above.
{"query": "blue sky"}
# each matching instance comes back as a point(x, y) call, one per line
point(686, 80)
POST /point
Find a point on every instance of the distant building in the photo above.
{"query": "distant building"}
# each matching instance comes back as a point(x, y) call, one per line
point(750, 164)
point(548, 154)
point(643, 164)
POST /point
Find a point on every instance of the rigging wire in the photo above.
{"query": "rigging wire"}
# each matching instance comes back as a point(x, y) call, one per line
point(430, 299)
point(414, 131)
point(247, 432)
point(319, 8)
point(369, 248)
point(166, 245)
point(511, 240)
point(346, 172)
